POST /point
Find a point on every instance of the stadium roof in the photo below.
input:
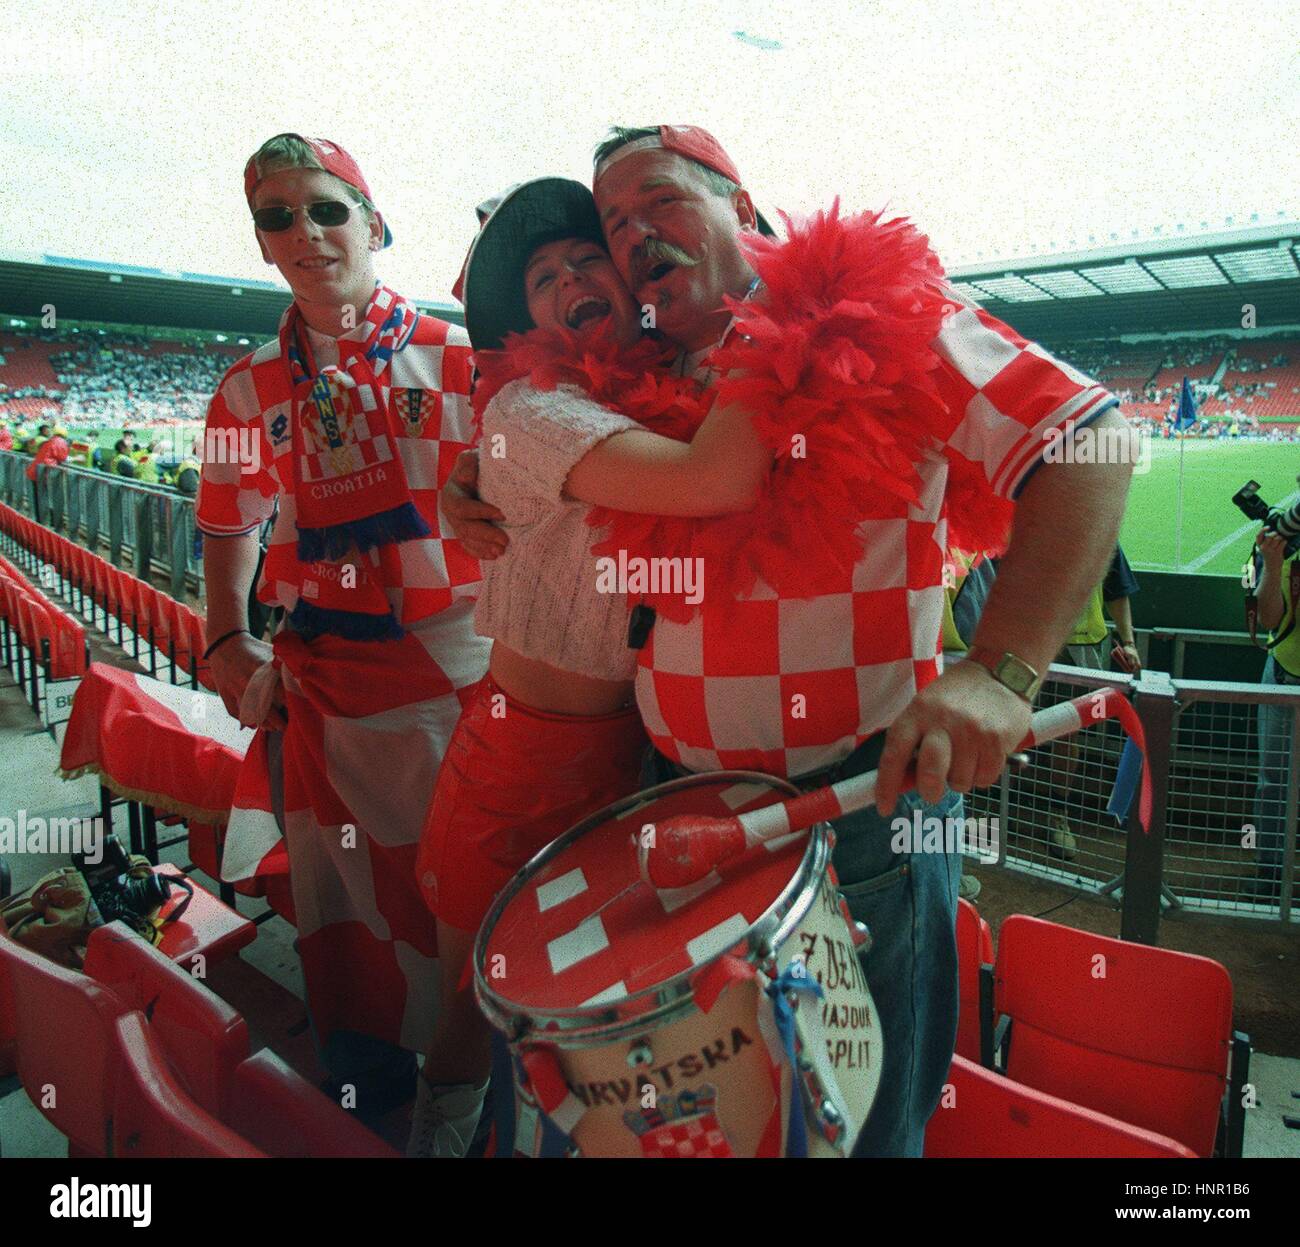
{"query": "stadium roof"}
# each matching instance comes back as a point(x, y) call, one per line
point(1159, 285)
point(125, 294)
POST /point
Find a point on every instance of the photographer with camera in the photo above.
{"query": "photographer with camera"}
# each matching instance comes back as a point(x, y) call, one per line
point(1276, 594)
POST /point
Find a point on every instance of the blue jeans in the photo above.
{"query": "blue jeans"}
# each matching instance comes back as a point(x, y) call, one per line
point(909, 904)
point(1274, 724)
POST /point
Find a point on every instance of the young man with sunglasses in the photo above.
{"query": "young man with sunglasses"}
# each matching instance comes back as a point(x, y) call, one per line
point(350, 419)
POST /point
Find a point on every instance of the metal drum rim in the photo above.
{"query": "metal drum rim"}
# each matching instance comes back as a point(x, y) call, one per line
point(576, 1027)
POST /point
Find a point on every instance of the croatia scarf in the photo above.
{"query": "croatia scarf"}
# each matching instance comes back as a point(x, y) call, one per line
point(350, 488)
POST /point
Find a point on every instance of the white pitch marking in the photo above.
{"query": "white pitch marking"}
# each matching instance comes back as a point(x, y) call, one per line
point(1236, 535)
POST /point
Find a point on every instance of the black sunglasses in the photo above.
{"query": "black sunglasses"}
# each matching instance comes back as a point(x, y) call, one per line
point(279, 217)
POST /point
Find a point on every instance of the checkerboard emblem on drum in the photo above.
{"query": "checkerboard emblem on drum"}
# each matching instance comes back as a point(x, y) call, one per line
point(681, 1127)
point(651, 1003)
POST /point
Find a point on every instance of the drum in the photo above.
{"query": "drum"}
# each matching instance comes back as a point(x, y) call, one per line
point(730, 1018)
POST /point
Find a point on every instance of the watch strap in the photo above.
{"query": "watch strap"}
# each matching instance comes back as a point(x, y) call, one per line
point(1010, 671)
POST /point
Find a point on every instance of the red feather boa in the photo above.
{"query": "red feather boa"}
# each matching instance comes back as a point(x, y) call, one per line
point(834, 362)
point(633, 380)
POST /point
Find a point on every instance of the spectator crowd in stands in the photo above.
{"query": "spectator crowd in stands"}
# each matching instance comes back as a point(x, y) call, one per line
point(101, 382)
point(111, 380)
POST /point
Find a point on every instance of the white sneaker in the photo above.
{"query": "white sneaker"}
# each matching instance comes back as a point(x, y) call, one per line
point(444, 1119)
point(1061, 837)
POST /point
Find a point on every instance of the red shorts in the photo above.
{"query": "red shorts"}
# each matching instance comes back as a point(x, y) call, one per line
point(510, 782)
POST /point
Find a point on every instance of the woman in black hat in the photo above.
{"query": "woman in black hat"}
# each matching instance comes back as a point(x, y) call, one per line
point(552, 733)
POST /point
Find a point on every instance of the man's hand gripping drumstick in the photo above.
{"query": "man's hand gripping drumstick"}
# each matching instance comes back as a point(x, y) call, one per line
point(686, 847)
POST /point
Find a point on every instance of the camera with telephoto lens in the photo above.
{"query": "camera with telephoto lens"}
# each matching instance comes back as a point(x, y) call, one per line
point(116, 892)
point(1284, 523)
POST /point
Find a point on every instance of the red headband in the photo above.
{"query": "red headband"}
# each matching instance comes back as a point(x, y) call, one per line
point(333, 159)
point(689, 141)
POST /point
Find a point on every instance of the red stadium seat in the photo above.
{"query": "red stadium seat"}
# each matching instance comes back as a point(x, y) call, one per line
point(63, 556)
point(983, 1114)
point(203, 1037)
point(204, 1043)
point(153, 1116)
point(1138, 1033)
point(208, 927)
point(9, 597)
point(100, 575)
point(178, 633)
point(33, 624)
point(122, 592)
point(68, 1069)
point(974, 955)
point(198, 643)
point(161, 618)
point(285, 1115)
point(68, 651)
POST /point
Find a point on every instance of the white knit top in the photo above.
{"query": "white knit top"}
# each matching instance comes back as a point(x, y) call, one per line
point(540, 596)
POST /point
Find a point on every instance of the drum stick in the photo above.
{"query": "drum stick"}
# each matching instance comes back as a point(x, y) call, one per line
point(686, 847)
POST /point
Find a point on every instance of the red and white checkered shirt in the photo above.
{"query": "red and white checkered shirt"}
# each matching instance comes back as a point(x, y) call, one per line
point(791, 686)
point(248, 463)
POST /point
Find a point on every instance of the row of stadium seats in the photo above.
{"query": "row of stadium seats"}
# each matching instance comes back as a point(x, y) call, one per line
point(158, 623)
point(27, 362)
point(180, 1082)
point(1101, 1048)
point(37, 637)
point(149, 1062)
point(154, 617)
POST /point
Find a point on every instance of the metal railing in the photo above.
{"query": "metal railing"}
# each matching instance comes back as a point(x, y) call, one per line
point(1225, 774)
point(153, 524)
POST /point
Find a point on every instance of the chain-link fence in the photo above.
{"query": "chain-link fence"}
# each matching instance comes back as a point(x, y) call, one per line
point(151, 524)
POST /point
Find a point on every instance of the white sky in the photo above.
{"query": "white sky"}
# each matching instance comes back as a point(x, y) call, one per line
point(1001, 128)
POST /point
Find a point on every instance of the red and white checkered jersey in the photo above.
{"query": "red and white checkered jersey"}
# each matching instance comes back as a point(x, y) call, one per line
point(248, 463)
point(791, 686)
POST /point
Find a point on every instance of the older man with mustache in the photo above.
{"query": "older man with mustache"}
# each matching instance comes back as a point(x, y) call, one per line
point(860, 652)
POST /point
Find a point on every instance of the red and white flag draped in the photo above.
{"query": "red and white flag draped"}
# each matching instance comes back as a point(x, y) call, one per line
point(172, 747)
point(368, 725)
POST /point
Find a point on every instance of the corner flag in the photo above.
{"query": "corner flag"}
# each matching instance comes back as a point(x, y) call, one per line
point(1186, 415)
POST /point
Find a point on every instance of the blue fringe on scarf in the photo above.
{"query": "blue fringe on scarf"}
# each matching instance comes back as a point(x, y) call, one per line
point(313, 621)
point(402, 523)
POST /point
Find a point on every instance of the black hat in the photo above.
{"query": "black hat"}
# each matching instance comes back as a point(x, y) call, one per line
point(527, 216)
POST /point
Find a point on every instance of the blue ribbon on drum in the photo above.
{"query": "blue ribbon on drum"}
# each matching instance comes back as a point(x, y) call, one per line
point(793, 979)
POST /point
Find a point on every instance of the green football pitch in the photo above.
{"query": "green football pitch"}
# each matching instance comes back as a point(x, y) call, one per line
point(1216, 537)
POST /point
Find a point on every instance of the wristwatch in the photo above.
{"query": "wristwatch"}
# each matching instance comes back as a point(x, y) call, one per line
point(1007, 669)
